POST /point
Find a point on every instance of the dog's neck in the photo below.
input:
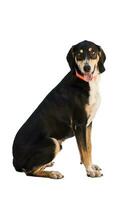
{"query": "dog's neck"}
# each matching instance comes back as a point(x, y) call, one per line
point(86, 78)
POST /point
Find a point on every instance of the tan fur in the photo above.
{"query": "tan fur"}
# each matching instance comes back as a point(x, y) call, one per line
point(40, 172)
point(88, 110)
point(57, 148)
point(61, 141)
point(87, 159)
point(92, 62)
point(94, 100)
point(79, 63)
point(91, 108)
point(85, 153)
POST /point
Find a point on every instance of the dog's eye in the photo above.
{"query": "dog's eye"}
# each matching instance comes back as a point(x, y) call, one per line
point(93, 54)
point(79, 57)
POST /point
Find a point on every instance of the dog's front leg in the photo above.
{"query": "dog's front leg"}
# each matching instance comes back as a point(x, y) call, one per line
point(83, 138)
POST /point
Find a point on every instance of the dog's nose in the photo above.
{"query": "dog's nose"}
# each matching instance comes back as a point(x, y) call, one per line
point(87, 68)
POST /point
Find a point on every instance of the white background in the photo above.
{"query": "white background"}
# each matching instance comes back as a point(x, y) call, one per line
point(35, 37)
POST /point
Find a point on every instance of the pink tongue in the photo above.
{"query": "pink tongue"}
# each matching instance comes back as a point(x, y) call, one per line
point(88, 77)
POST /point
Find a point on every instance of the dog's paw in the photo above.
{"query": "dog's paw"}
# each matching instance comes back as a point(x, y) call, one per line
point(55, 175)
point(96, 167)
point(94, 171)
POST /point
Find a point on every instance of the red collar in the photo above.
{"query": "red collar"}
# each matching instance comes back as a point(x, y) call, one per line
point(86, 78)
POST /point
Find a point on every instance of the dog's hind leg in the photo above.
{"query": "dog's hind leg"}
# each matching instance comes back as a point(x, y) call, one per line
point(41, 172)
point(51, 164)
point(45, 154)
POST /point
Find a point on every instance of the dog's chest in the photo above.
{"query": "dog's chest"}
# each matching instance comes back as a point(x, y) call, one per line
point(93, 101)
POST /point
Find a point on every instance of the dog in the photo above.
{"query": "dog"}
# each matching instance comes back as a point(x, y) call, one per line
point(67, 111)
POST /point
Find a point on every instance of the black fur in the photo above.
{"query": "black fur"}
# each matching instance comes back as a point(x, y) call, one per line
point(102, 60)
point(59, 115)
point(85, 44)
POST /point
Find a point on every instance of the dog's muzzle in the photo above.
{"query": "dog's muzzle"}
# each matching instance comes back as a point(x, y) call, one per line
point(87, 68)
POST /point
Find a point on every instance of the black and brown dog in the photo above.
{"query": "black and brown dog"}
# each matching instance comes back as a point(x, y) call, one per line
point(67, 111)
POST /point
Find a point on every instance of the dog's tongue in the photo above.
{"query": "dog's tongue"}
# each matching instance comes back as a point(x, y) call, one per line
point(88, 77)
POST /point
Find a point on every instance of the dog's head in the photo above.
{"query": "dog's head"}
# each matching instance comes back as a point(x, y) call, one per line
point(86, 58)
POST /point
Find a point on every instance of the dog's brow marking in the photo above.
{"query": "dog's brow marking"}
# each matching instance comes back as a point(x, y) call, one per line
point(81, 50)
point(90, 49)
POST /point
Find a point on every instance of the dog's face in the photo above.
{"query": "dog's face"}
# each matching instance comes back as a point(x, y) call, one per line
point(87, 58)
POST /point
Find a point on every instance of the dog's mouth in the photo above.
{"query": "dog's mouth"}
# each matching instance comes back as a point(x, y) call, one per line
point(89, 75)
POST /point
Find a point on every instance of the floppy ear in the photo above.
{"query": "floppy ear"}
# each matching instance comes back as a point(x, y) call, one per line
point(71, 59)
point(101, 60)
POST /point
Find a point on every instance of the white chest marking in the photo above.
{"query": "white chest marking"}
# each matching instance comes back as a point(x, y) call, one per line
point(94, 100)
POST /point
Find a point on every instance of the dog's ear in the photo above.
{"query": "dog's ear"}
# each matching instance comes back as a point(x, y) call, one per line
point(101, 60)
point(71, 59)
